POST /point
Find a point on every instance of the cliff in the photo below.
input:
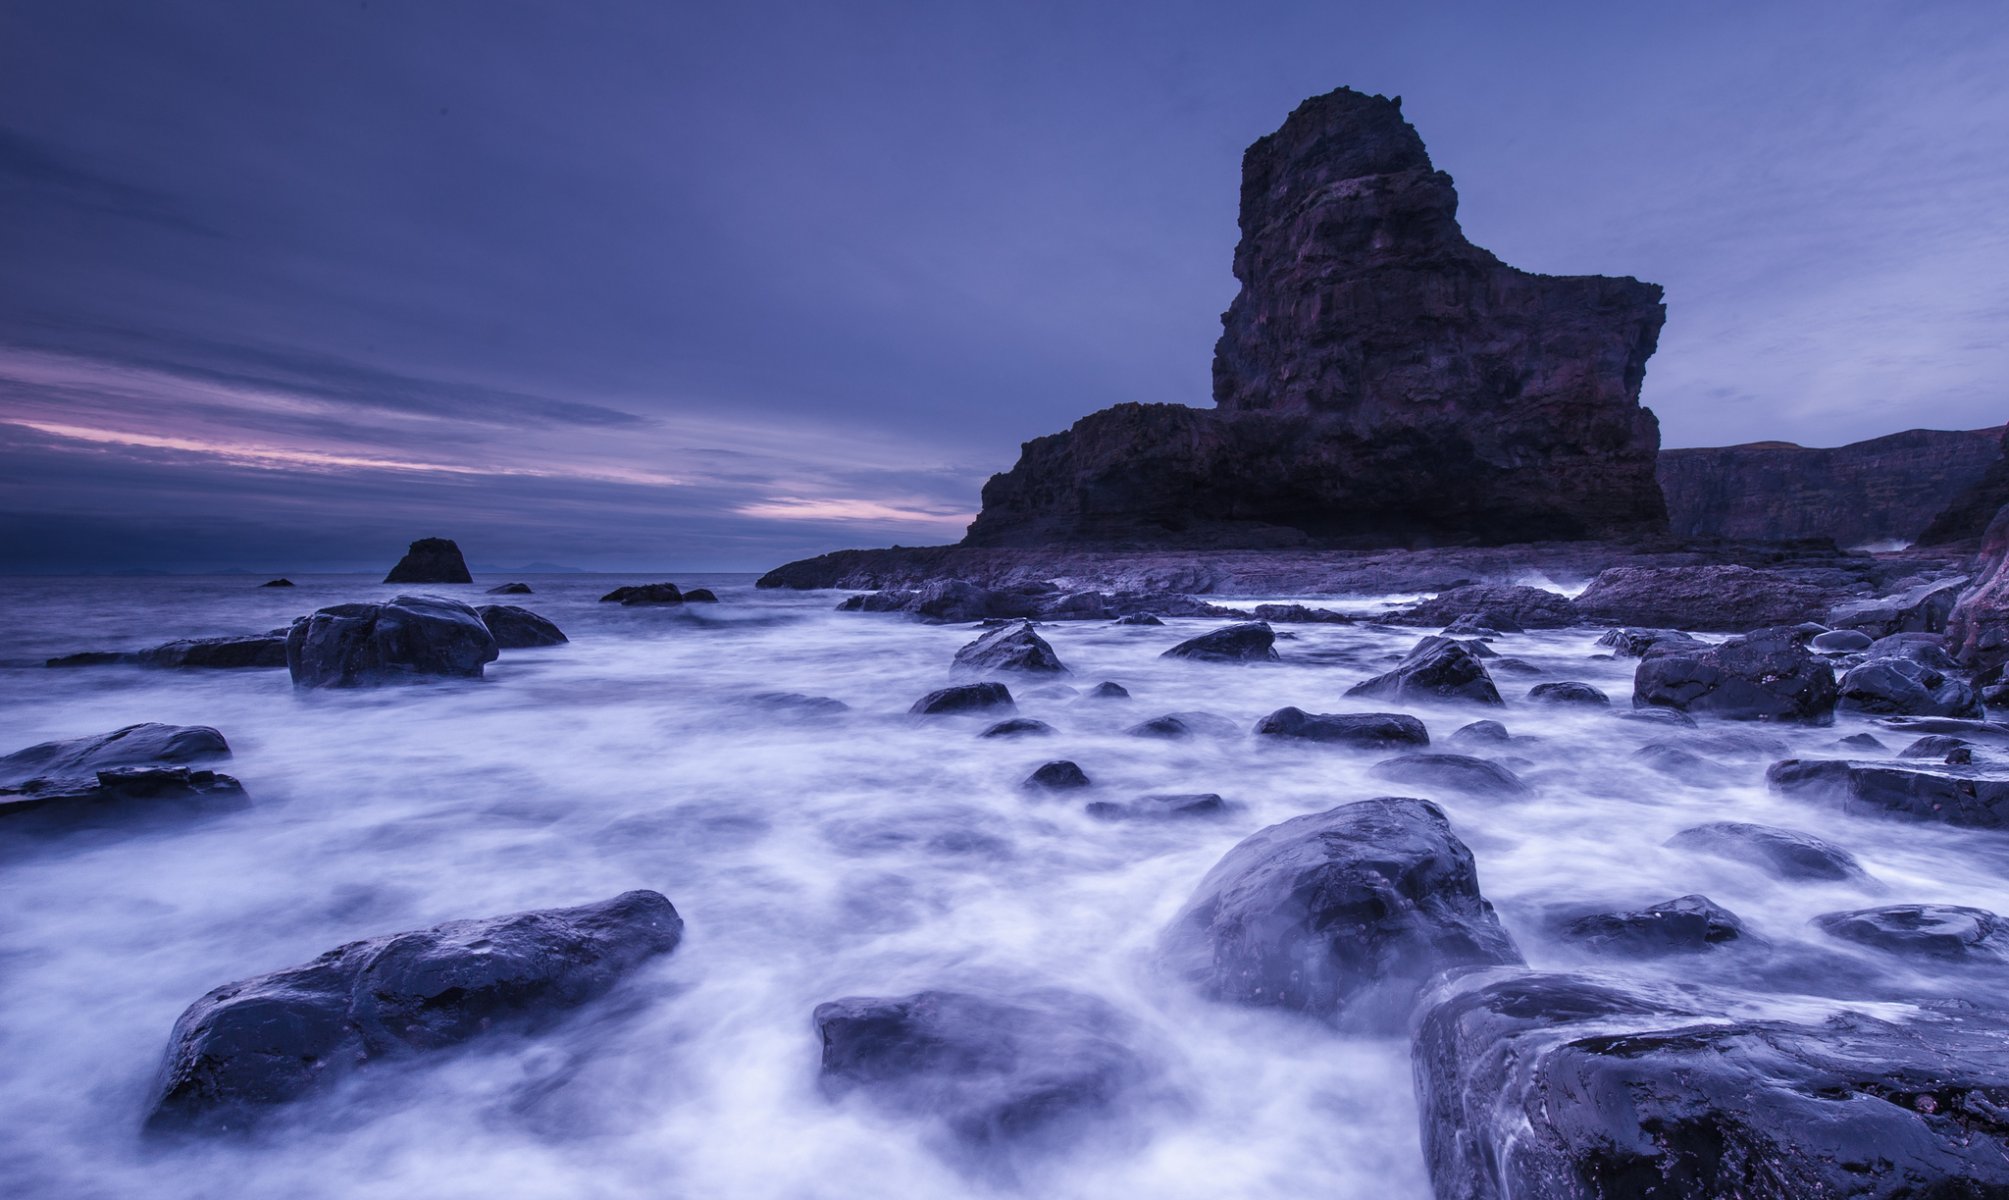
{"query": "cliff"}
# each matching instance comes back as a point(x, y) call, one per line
point(1887, 489)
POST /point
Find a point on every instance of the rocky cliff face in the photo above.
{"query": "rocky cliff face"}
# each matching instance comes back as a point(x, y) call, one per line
point(1887, 489)
point(1967, 516)
point(1379, 381)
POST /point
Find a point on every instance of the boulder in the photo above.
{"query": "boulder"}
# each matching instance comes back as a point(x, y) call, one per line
point(1938, 746)
point(1505, 608)
point(1920, 609)
point(1185, 725)
point(273, 1038)
point(1569, 1088)
point(1782, 853)
point(1765, 676)
point(700, 596)
point(1968, 797)
point(1936, 931)
point(254, 651)
point(1716, 596)
point(1435, 669)
point(991, 1071)
point(1159, 807)
point(80, 759)
point(1841, 641)
point(1686, 925)
point(1568, 692)
point(1298, 614)
point(1060, 775)
point(115, 795)
point(356, 645)
point(639, 594)
point(1016, 648)
point(1341, 914)
point(518, 628)
point(1013, 727)
point(1905, 687)
point(1481, 733)
point(965, 698)
point(431, 560)
point(276, 583)
point(510, 589)
point(1249, 641)
point(1458, 772)
point(1369, 731)
point(1108, 691)
point(1139, 619)
point(1632, 642)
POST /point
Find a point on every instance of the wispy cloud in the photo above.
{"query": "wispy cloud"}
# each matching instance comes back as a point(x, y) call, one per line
point(796, 508)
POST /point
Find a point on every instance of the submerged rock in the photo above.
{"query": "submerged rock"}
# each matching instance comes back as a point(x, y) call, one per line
point(274, 1038)
point(700, 595)
point(1016, 648)
point(1567, 1088)
point(1250, 641)
point(637, 595)
point(1185, 725)
point(1685, 925)
point(518, 628)
point(1459, 772)
point(965, 698)
point(510, 589)
point(1159, 807)
point(356, 645)
point(1481, 733)
point(1779, 852)
point(431, 560)
point(1371, 731)
point(1341, 914)
point(1435, 669)
point(1108, 691)
point(1060, 775)
point(1018, 727)
point(1764, 676)
point(1568, 692)
point(1939, 931)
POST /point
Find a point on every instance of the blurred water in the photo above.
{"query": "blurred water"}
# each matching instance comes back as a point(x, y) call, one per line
point(866, 854)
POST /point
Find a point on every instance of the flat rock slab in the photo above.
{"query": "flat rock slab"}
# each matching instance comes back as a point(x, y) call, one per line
point(1970, 797)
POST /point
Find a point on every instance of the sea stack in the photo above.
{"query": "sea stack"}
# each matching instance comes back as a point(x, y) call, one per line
point(1380, 381)
point(431, 560)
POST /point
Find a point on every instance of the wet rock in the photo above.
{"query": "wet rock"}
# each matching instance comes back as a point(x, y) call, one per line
point(1053, 691)
point(1139, 619)
point(1568, 1088)
point(1341, 914)
point(1249, 641)
point(640, 594)
point(1480, 627)
point(1926, 648)
point(253, 652)
point(1977, 631)
point(1060, 775)
point(1717, 596)
point(1782, 853)
point(1922, 609)
point(1017, 648)
point(1939, 931)
point(518, 628)
point(431, 560)
point(1862, 741)
point(115, 795)
point(80, 759)
point(1936, 746)
point(1902, 686)
point(798, 704)
point(964, 698)
point(1685, 925)
point(1298, 614)
point(276, 583)
point(1568, 692)
point(1627, 642)
point(1481, 733)
point(1685, 765)
point(1435, 669)
point(1185, 725)
point(1458, 772)
point(357, 645)
point(1108, 691)
point(993, 1071)
point(1508, 665)
point(1967, 797)
point(1764, 676)
point(700, 596)
point(1657, 716)
point(1841, 641)
point(274, 1038)
point(1161, 807)
point(1992, 732)
point(1371, 731)
point(1018, 727)
point(1507, 608)
point(510, 589)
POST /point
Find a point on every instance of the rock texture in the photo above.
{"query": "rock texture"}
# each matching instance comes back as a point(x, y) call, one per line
point(431, 560)
point(1380, 380)
point(1977, 632)
point(358, 645)
point(1887, 489)
point(1965, 518)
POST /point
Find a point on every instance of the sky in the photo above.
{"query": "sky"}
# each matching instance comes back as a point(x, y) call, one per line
point(285, 285)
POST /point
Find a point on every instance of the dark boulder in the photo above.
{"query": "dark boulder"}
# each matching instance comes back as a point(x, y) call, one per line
point(276, 583)
point(1566, 1088)
point(1629, 642)
point(1920, 609)
point(518, 628)
point(1938, 747)
point(1250, 641)
point(80, 759)
point(510, 589)
point(356, 645)
point(1458, 772)
point(1964, 796)
point(1481, 733)
point(1568, 692)
point(1060, 775)
point(700, 596)
point(1341, 914)
point(1504, 608)
point(1657, 716)
point(637, 595)
point(1940, 931)
point(1764, 676)
point(1681, 926)
point(1779, 852)
point(1016, 648)
point(1435, 668)
point(1298, 614)
point(1904, 687)
point(1018, 727)
point(1928, 649)
point(256, 651)
point(1841, 641)
point(1862, 741)
point(965, 698)
point(1717, 596)
point(1108, 691)
point(993, 1071)
point(1369, 731)
point(115, 795)
point(431, 560)
point(1159, 807)
point(1181, 725)
point(274, 1038)
point(1139, 619)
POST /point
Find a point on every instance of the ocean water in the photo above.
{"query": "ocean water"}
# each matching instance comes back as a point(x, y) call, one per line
point(865, 854)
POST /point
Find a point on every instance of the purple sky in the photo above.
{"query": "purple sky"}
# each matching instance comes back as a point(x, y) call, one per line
point(285, 285)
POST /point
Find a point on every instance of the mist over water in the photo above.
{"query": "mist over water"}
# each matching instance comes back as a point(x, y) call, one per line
point(865, 853)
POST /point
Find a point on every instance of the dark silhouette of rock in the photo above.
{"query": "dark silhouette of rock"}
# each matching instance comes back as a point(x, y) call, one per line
point(276, 583)
point(1480, 733)
point(1341, 914)
point(1568, 692)
point(1939, 747)
point(357, 645)
point(995, 1072)
point(1841, 641)
point(1430, 393)
point(116, 795)
point(1965, 796)
point(1722, 597)
point(1139, 619)
point(637, 595)
point(1567, 1088)
point(1926, 648)
point(1977, 631)
point(1107, 690)
point(1887, 489)
point(1685, 925)
point(80, 759)
point(1458, 772)
point(1901, 686)
point(1922, 608)
point(518, 628)
point(965, 698)
point(1013, 727)
point(1504, 608)
point(1368, 731)
point(510, 589)
point(700, 596)
point(273, 1038)
point(1780, 852)
point(1060, 775)
point(1435, 668)
point(1185, 725)
point(1632, 642)
point(1159, 807)
point(252, 651)
point(1937, 931)
point(431, 560)
point(1249, 641)
point(1965, 518)
point(1298, 614)
point(1766, 676)
point(1016, 648)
